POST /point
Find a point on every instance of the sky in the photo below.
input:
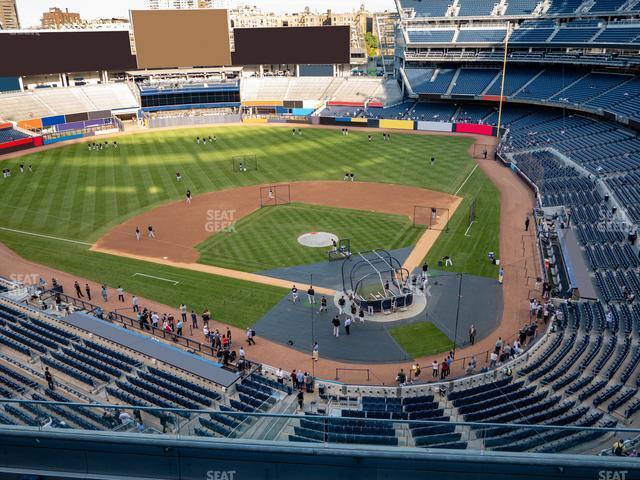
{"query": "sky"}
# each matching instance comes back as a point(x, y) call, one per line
point(30, 11)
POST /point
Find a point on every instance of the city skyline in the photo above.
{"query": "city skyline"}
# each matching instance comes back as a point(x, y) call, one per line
point(30, 11)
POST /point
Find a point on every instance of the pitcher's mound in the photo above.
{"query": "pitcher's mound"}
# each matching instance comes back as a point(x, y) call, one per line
point(317, 239)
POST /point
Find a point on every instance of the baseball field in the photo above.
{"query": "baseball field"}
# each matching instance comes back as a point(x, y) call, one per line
point(74, 196)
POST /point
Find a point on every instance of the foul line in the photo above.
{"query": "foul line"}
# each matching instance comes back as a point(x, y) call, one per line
point(469, 228)
point(46, 236)
point(466, 179)
point(157, 278)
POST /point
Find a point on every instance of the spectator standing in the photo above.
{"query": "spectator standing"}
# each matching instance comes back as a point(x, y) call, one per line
point(250, 335)
point(494, 360)
point(179, 327)
point(443, 369)
point(49, 378)
point(471, 368)
point(472, 334)
point(136, 304)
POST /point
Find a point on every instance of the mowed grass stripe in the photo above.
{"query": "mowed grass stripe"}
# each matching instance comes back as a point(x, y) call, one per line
point(318, 154)
point(469, 253)
point(47, 217)
point(267, 238)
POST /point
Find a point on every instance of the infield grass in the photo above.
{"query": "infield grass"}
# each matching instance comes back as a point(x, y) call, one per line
point(268, 238)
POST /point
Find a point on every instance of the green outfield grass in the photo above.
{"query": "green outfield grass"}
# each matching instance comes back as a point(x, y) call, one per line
point(231, 301)
point(469, 252)
point(421, 339)
point(268, 238)
point(77, 194)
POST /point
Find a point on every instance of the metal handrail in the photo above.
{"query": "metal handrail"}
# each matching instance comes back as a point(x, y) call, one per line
point(570, 428)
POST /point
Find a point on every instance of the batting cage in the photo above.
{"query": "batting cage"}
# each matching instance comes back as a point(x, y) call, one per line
point(274, 195)
point(434, 218)
point(245, 163)
point(484, 151)
point(377, 281)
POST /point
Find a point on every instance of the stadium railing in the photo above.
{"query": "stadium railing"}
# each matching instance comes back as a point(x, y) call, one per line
point(326, 430)
point(129, 322)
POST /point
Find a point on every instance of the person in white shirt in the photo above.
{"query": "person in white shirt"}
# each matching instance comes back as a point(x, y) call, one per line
point(124, 417)
point(517, 348)
point(280, 375)
point(434, 369)
point(609, 320)
point(494, 360)
point(347, 325)
point(241, 353)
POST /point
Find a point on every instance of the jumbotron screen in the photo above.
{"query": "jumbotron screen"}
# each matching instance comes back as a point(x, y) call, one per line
point(181, 38)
